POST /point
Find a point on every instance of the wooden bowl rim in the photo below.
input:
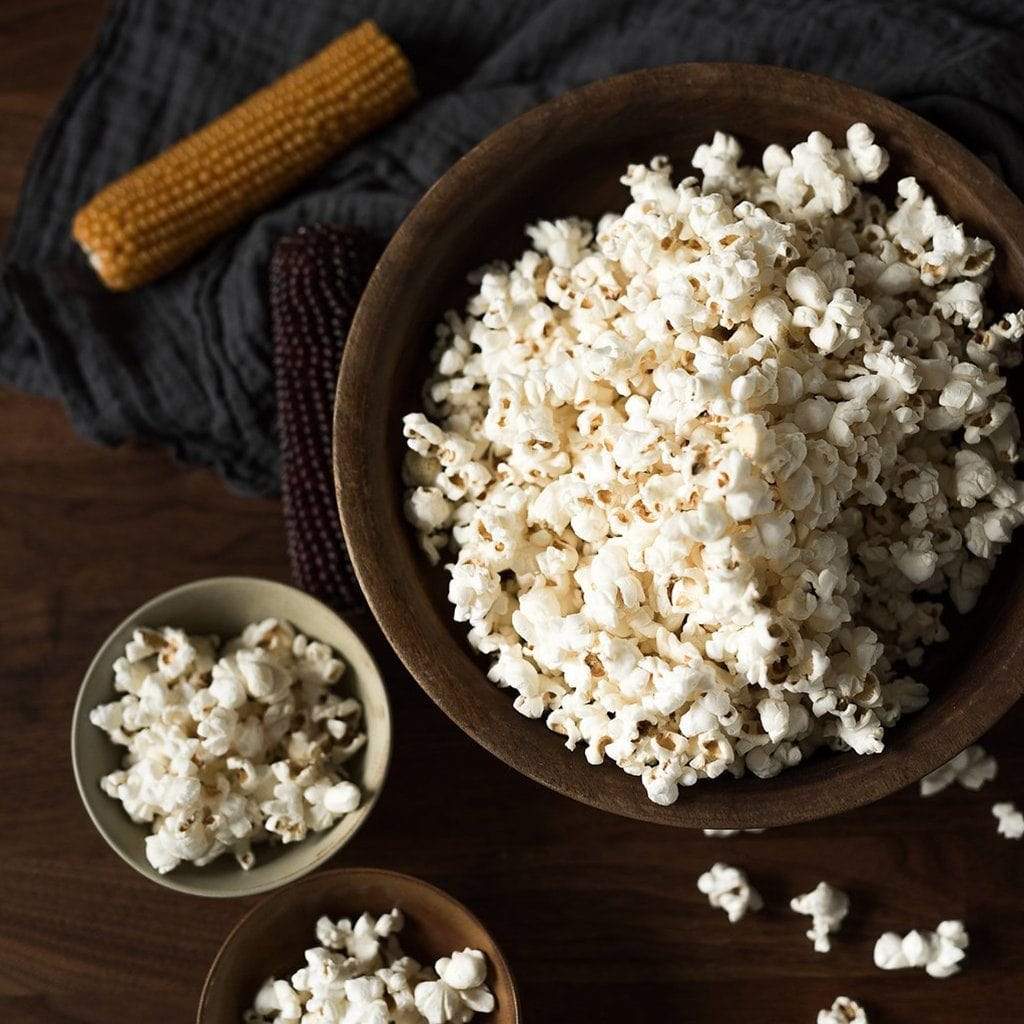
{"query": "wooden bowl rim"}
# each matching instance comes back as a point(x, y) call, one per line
point(341, 875)
point(368, 543)
point(338, 836)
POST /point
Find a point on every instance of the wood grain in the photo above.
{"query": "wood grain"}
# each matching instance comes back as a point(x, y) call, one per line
point(41, 43)
point(563, 158)
point(599, 916)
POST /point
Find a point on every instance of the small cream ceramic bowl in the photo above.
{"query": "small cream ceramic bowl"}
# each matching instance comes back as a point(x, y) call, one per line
point(224, 606)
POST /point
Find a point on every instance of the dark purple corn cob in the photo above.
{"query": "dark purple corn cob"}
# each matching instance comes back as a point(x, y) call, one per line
point(316, 278)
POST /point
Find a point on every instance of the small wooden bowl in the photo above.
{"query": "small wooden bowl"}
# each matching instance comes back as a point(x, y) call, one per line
point(223, 606)
point(271, 939)
point(565, 158)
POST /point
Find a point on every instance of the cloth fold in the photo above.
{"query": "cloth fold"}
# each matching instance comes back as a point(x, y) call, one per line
point(187, 362)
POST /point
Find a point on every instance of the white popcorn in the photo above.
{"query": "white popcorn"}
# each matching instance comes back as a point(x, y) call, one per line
point(935, 245)
point(865, 160)
point(961, 303)
point(938, 952)
point(827, 907)
point(356, 977)
point(728, 888)
point(1011, 821)
point(701, 473)
point(971, 768)
point(225, 753)
point(724, 833)
point(843, 1011)
point(458, 992)
point(342, 798)
point(428, 509)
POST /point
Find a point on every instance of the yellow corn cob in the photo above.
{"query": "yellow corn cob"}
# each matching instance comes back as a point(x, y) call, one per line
point(156, 216)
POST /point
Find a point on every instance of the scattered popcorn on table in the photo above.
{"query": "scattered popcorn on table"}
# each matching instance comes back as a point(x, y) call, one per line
point(972, 768)
point(728, 888)
point(724, 833)
point(1011, 821)
point(704, 471)
point(360, 975)
point(844, 1011)
point(827, 907)
point(938, 952)
point(229, 750)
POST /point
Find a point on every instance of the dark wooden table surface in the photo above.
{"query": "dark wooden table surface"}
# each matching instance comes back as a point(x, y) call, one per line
point(600, 917)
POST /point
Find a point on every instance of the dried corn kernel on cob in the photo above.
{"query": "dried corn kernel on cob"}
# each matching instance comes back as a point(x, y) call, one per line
point(153, 218)
point(316, 279)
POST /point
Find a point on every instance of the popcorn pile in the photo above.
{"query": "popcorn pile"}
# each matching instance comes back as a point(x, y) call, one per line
point(230, 750)
point(358, 974)
point(707, 470)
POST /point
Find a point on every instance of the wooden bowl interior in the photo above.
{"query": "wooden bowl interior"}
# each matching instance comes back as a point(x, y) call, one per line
point(565, 159)
point(271, 939)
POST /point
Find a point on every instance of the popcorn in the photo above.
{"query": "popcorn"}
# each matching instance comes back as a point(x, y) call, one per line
point(843, 1011)
point(972, 768)
point(223, 753)
point(865, 161)
point(728, 888)
point(700, 473)
point(827, 907)
point(459, 990)
point(342, 798)
point(360, 975)
point(724, 833)
point(1011, 821)
point(938, 952)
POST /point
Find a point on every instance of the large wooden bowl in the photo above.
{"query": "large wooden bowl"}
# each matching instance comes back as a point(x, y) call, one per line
point(565, 158)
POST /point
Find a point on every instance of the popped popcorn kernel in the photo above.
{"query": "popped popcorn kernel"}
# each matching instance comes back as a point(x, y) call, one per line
point(1010, 820)
point(843, 1011)
point(827, 907)
point(726, 833)
point(728, 888)
point(971, 768)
